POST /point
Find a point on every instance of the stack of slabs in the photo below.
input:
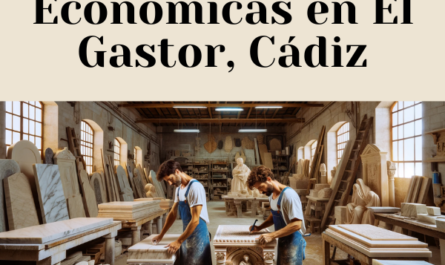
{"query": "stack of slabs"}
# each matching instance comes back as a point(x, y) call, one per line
point(147, 252)
point(165, 204)
point(129, 211)
point(376, 242)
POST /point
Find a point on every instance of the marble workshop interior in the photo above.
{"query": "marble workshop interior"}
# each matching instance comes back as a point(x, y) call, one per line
point(78, 180)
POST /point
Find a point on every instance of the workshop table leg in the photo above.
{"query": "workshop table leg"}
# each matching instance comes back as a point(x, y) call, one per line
point(136, 235)
point(109, 249)
point(326, 252)
point(159, 224)
point(442, 251)
point(150, 227)
point(239, 209)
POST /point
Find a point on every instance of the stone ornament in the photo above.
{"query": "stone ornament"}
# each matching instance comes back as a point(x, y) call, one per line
point(391, 166)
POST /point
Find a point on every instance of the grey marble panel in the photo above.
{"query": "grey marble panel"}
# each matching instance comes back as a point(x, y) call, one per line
point(50, 192)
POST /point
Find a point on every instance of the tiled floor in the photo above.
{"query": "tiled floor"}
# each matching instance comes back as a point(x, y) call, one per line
point(217, 215)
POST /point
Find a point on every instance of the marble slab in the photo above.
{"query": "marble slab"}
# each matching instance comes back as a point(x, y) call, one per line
point(156, 183)
point(124, 186)
point(375, 233)
point(8, 167)
point(89, 196)
point(440, 224)
point(26, 154)
point(433, 210)
point(399, 262)
point(238, 235)
point(19, 202)
point(139, 186)
point(130, 180)
point(129, 210)
point(429, 219)
point(50, 191)
point(393, 252)
point(75, 206)
point(68, 172)
point(45, 233)
point(413, 209)
point(96, 182)
point(414, 243)
point(146, 251)
point(384, 209)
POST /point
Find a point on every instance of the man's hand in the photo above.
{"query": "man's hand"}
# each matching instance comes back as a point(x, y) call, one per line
point(265, 238)
point(157, 239)
point(255, 229)
point(173, 247)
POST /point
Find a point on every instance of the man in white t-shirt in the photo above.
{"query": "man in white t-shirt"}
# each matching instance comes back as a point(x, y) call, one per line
point(190, 199)
point(286, 215)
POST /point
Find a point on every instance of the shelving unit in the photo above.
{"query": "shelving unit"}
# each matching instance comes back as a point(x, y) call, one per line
point(201, 173)
point(280, 164)
point(219, 169)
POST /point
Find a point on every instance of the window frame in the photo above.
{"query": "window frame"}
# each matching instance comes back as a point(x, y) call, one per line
point(84, 146)
point(22, 118)
point(117, 154)
point(344, 142)
point(403, 162)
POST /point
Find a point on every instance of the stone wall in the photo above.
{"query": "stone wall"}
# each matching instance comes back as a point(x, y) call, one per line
point(100, 115)
point(335, 112)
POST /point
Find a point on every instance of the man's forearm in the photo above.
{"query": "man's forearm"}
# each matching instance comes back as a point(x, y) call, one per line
point(171, 217)
point(267, 223)
point(188, 230)
point(287, 230)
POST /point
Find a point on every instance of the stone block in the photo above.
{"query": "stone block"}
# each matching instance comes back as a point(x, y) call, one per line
point(413, 209)
point(325, 193)
point(433, 211)
point(425, 218)
point(440, 223)
point(340, 214)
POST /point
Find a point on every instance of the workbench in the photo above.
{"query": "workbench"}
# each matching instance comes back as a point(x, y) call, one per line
point(53, 252)
point(147, 222)
point(408, 224)
point(365, 254)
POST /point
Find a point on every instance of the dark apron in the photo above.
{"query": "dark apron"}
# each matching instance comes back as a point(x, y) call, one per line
point(290, 248)
point(195, 250)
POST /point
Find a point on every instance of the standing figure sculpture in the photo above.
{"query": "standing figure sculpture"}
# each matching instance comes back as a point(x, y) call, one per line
point(240, 174)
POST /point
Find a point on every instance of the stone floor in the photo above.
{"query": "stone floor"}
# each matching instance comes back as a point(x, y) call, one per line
point(217, 215)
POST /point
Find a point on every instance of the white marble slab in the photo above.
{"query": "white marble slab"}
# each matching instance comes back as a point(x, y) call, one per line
point(146, 251)
point(384, 209)
point(412, 209)
point(157, 184)
point(399, 262)
point(124, 185)
point(238, 235)
point(50, 193)
point(42, 234)
point(380, 252)
point(126, 211)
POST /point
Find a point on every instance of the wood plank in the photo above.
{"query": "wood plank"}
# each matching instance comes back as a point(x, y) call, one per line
point(268, 160)
point(409, 194)
point(417, 185)
point(424, 188)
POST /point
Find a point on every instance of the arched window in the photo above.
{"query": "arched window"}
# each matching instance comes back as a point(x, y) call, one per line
point(300, 153)
point(24, 122)
point(342, 139)
point(87, 143)
point(313, 147)
point(406, 138)
point(117, 152)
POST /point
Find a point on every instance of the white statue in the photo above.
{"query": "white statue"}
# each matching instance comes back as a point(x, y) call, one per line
point(240, 174)
point(323, 175)
point(362, 198)
point(245, 260)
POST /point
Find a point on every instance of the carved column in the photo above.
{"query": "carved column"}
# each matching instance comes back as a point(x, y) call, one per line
point(109, 248)
point(391, 172)
point(220, 256)
point(136, 234)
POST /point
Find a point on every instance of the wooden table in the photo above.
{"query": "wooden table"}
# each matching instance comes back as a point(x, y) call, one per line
point(54, 252)
point(351, 249)
point(136, 225)
point(408, 224)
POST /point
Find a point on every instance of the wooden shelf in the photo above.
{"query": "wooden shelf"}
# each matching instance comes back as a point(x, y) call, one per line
point(435, 131)
point(435, 160)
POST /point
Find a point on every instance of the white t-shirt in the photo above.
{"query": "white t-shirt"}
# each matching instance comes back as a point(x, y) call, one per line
point(196, 196)
point(290, 207)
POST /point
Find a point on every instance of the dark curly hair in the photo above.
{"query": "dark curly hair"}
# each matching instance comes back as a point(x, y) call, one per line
point(259, 174)
point(167, 168)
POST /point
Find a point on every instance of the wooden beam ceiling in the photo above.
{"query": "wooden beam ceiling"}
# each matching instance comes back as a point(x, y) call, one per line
point(227, 120)
point(213, 105)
